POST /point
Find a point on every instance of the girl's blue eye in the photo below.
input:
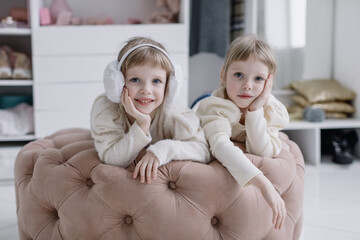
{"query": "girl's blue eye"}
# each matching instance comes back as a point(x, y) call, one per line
point(135, 80)
point(259, 79)
point(156, 81)
point(239, 75)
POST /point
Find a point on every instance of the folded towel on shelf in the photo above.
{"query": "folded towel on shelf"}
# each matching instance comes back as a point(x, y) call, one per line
point(18, 120)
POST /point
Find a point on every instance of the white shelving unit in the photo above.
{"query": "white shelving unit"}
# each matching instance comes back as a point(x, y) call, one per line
point(15, 82)
point(15, 31)
point(308, 135)
point(16, 86)
point(18, 38)
point(68, 61)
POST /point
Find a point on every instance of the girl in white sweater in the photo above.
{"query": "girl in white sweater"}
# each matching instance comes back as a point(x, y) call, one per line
point(243, 110)
point(137, 112)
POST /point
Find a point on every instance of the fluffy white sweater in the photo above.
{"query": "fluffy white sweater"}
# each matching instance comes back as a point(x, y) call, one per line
point(173, 135)
point(220, 119)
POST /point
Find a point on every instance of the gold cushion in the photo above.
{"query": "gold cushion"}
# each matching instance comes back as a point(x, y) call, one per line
point(341, 107)
point(336, 115)
point(323, 90)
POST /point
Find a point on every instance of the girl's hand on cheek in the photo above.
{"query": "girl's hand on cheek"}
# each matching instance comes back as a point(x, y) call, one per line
point(147, 168)
point(262, 99)
point(143, 120)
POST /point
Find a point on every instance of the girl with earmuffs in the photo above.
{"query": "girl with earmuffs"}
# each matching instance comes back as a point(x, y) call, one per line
point(138, 111)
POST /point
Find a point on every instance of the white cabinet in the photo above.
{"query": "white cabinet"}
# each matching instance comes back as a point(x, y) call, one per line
point(68, 61)
point(308, 134)
point(18, 39)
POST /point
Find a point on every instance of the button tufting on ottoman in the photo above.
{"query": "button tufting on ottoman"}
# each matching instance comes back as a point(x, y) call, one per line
point(63, 191)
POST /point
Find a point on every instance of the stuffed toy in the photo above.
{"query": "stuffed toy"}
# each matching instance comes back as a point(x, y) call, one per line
point(57, 7)
point(169, 14)
point(5, 67)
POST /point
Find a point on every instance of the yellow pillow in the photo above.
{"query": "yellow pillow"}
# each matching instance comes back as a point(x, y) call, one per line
point(300, 100)
point(336, 115)
point(323, 90)
point(340, 107)
point(326, 106)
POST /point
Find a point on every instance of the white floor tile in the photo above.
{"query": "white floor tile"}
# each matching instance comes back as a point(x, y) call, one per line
point(320, 233)
point(332, 201)
point(7, 192)
point(8, 155)
point(9, 233)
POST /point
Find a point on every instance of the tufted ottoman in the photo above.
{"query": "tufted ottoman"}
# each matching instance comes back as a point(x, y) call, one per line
point(63, 191)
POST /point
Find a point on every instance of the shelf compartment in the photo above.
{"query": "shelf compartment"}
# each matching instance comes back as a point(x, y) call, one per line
point(15, 31)
point(327, 124)
point(15, 82)
point(20, 138)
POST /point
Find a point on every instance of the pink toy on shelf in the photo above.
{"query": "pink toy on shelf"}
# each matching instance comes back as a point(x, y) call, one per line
point(58, 6)
point(64, 18)
point(45, 17)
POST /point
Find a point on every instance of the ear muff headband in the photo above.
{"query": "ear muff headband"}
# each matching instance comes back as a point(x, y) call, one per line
point(114, 80)
point(143, 45)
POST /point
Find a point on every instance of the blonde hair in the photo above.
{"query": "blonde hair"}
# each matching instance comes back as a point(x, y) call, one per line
point(144, 55)
point(251, 45)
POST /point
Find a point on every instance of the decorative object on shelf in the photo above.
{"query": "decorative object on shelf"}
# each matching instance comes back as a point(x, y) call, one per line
point(58, 6)
point(325, 94)
point(312, 114)
point(18, 120)
point(170, 14)
point(62, 14)
point(19, 14)
point(323, 90)
point(45, 16)
point(21, 66)
point(98, 20)
point(8, 22)
point(10, 101)
point(15, 65)
point(64, 18)
point(134, 21)
point(5, 67)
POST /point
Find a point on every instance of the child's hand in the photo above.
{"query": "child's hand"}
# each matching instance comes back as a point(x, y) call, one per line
point(144, 120)
point(147, 168)
point(261, 100)
point(273, 198)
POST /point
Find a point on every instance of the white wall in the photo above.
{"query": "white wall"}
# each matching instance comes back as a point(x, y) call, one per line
point(204, 74)
point(347, 46)
point(319, 39)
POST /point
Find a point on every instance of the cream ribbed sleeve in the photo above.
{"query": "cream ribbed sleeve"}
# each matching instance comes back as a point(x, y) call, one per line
point(216, 115)
point(174, 135)
point(114, 145)
point(262, 128)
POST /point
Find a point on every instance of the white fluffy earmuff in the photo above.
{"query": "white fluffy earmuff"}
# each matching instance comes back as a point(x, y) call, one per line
point(114, 79)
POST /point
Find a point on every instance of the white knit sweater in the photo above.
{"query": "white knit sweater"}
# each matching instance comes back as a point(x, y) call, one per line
point(220, 119)
point(173, 135)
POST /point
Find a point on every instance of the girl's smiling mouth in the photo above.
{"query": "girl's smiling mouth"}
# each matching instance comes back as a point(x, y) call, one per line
point(144, 101)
